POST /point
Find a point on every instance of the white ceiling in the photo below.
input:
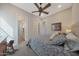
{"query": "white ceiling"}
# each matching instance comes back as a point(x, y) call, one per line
point(29, 7)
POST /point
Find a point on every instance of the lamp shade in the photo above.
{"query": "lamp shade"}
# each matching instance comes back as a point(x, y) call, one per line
point(68, 30)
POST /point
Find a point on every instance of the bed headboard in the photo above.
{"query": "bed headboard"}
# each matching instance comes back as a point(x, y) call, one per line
point(75, 29)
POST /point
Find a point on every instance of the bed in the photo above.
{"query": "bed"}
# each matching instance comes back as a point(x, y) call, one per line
point(62, 44)
point(42, 47)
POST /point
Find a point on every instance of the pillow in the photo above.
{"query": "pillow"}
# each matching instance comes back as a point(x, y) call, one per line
point(71, 45)
point(76, 46)
point(52, 36)
point(58, 39)
point(71, 36)
point(75, 49)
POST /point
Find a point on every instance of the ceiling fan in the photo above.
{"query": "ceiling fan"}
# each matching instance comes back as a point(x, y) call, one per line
point(40, 9)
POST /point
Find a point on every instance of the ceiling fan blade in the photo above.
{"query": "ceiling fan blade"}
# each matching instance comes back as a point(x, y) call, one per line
point(40, 14)
point(45, 12)
point(48, 5)
point(35, 11)
point(36, 5)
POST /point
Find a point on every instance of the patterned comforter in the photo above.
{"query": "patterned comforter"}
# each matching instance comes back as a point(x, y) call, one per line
point(41, 48)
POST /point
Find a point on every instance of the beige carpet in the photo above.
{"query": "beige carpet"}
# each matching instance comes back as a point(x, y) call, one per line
point(24, 51)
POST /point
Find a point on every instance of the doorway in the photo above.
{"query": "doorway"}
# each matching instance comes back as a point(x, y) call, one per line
point(21, 30)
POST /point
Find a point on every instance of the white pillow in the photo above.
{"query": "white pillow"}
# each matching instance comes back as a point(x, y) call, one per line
point(75, 49)
point(54, 33)
point(58, 40)
point(75, 45)
point(71, 36)
point(72, 42)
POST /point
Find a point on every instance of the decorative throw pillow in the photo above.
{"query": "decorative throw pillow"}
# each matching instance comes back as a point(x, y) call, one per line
point(58, 39)
point(52, 36)
point(76, 46)
point(71, 36)
point(75, 49)
point(71, 45)
point(72, 42)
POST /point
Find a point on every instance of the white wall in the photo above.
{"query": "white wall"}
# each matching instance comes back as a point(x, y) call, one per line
point(75, 12)
point(11, 20)
point(11, 15)
point(65, 17)
point(33, 31)
point(75, 18)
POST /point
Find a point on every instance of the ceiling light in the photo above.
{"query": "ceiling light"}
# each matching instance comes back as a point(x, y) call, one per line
point(59, 6)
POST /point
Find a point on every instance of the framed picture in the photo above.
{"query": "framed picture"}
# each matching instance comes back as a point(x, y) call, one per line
point(56, 26)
